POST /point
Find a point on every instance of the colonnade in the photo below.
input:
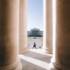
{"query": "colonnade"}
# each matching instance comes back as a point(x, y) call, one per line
point(13, 33)
point(62, 54)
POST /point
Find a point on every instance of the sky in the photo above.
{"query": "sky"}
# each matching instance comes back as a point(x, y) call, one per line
point(35, 14)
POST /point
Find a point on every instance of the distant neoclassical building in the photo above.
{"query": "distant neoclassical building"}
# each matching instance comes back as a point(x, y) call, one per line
point(35, 35)
point(35, 32)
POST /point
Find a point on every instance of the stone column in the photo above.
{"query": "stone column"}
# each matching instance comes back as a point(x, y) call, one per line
point(23, 26)
point(9, 23)
point(49, 26)
point(63, 35)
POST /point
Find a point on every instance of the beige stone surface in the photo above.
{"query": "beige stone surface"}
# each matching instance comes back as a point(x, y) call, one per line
point(63, 35)
point(49, 25)
point(29, 64)
point(9, 23)
point(23, 26)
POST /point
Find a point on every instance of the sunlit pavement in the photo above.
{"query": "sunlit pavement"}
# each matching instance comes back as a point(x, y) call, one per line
point(35, 59)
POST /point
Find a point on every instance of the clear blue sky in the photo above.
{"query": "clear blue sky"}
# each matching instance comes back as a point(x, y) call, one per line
point(35, 14)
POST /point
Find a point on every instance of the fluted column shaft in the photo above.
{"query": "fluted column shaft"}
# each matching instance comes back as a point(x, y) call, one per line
point(9, 23)
point(49, 26)
point(63, 35)
point(23, 26)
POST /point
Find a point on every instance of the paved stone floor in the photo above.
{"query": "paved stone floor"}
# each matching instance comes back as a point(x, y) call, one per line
point(33, 60)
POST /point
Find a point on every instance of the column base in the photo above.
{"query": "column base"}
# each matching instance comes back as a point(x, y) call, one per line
point(15, 66)
point(23, 50)
point(54, 66)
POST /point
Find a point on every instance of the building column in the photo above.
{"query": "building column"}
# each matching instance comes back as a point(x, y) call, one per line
point(9, 23)
point(63, 35)
point(23, 26)
point(49, 26)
